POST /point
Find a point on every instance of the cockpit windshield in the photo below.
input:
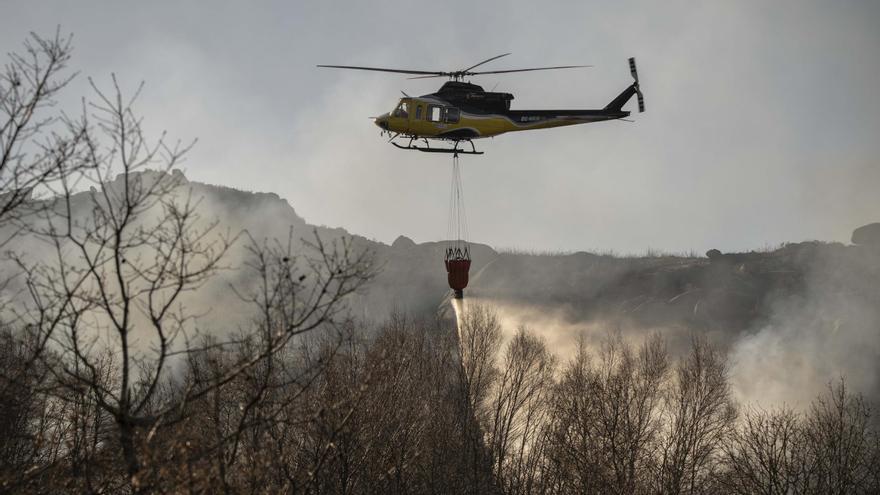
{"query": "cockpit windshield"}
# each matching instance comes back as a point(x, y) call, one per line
point(402, 109)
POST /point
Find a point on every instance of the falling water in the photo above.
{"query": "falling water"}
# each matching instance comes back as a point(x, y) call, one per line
point(459, 307)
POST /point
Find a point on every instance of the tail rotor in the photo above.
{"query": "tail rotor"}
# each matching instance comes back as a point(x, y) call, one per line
point(635, 75)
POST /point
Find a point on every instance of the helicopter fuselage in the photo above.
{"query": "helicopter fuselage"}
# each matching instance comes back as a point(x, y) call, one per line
point(462, 111)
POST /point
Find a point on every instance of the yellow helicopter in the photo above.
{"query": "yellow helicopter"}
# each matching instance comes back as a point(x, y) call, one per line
point(461, 111)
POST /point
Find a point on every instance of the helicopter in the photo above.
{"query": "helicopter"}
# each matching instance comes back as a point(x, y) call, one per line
point(460, 111)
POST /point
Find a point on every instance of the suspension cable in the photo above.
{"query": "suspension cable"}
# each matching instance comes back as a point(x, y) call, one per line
point(457, 227)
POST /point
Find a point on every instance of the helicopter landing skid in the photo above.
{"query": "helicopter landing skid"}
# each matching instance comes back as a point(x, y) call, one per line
point(428, 149)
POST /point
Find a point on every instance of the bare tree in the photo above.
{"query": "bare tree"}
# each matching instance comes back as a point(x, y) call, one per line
point(37, 144)
point(479, 336)
point(124, 258)
point(606, 418)
point(839, 444)
point(384, 416)
point(20, 405)
point(765, 454)
point(518, 409)
point(700, 416)
point(572, 463)
point(629, 396)
point(832, 448)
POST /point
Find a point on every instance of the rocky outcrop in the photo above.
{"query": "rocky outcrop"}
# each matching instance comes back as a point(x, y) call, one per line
point(867, 235)
point(403, 242)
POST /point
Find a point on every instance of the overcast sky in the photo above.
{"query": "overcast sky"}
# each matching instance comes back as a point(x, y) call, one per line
point(763, 121)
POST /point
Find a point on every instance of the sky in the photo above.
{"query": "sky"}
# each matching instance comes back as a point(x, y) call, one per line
point(762, 122)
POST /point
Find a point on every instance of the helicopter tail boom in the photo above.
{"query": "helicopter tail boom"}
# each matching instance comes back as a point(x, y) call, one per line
point(617, 104)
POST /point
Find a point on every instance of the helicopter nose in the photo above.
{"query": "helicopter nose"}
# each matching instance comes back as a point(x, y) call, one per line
point(382, 121)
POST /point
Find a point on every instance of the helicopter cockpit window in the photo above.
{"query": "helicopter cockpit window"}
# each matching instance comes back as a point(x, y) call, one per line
point(434, 113)
point(418, 112)
point(452, 115)
point(402, 110)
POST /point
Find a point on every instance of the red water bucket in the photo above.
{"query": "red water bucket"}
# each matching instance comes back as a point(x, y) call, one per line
point(457, 275)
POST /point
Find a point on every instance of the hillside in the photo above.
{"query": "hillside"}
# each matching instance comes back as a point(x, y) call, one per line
point(792, 318)
point(733, 291)
point(797, 316)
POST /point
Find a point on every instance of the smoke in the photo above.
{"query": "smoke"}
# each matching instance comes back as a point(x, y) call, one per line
point(563, 330)
point(550, 324)
point(801, 338)
point(831, 331)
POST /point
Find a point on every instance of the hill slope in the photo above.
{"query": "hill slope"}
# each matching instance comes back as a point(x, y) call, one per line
point(793, 318)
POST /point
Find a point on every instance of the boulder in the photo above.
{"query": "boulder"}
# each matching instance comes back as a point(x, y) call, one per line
point(867, 235)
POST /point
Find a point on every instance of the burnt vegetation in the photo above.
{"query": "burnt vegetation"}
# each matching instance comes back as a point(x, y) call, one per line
point(110, 384)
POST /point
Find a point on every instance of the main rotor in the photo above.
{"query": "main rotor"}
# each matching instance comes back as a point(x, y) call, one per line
point(456, 75)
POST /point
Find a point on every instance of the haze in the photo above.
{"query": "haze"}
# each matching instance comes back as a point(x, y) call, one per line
point(761, 125)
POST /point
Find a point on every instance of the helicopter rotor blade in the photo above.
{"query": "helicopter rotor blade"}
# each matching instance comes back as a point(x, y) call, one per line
point(485, 61)
point(527, 70)
point(427, 74)
point(445, 74)
point(381, 69)
point(465, 73)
